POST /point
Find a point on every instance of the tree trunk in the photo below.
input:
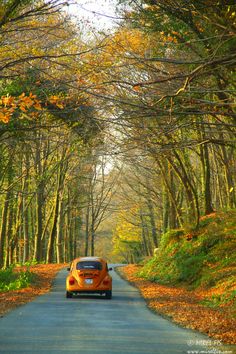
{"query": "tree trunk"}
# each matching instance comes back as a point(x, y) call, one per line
point(171, 200)
point(87, 218)
point(152, 221)
point(172, 206)
point(25, 209)
point(59, 237)
point(18, 223)
point(3, 232)
point(166, 210)
point(207, 184)
point(92, 246)
point(10, 223)
point(150, 206)
point(52, 236)
point(4, 228)
point(143, 227)
point(70, 235)
point(56, 215)
point(231, 200)
point(39, 203)
point(74, 239)
point(192, 198)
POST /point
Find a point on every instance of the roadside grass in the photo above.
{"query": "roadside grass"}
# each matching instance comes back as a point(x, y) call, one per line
point(12, 279)
point(199, 259)
point(33, 280)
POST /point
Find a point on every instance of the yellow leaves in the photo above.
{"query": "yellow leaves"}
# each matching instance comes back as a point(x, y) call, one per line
point(53, 99)
point(81, 80)
point(60, 105)
point(36, 51)
point(37, 106)
point(199, 27)
point(168, 37)
point(127, 40)
point(6, 100)
point(57, 101)
point(126, 230)
point(118, 50)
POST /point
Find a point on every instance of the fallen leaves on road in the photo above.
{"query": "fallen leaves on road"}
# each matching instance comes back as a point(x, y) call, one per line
point(45, 273)
point(184, 307)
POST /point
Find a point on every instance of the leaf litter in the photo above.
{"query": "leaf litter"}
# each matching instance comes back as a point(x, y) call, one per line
point(185, 307)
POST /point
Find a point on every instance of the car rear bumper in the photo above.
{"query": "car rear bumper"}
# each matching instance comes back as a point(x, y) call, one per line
point(100, 292)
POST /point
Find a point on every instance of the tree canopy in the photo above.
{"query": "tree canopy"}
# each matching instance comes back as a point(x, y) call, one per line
point(136, 125)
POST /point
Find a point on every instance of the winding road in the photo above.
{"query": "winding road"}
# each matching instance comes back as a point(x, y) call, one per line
point(91, 324)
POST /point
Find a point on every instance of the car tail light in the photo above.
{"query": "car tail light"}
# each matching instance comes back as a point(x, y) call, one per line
point(71, 281)
point(106, 282)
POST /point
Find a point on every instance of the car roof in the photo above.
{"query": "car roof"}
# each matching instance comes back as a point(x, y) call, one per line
point(89, 259)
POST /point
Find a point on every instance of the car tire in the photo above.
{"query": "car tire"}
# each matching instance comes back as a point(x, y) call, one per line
point(109, 294)
point(68, 295)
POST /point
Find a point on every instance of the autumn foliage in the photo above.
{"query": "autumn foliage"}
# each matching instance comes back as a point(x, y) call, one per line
point(191, 278)
point(26, 106)
point(43, 277)
point(185, 307)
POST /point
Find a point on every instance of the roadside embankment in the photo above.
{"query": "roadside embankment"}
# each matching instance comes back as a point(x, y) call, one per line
point(192, 277)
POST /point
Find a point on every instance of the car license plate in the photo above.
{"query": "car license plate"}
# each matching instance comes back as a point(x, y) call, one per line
point(89, 281)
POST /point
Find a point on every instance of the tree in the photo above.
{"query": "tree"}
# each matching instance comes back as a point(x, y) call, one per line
point(100, 189)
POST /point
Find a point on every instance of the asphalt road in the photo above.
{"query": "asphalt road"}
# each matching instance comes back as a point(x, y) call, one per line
point(92, 324)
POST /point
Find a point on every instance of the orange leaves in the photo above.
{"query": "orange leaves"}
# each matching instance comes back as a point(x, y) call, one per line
point(185, 307)
point(45, 274)
point(5, 117)
point(37, 106)
point(26, 102)
point(23, 103)
point(7, 107)
point(169, 38)
point(136, 88)
point(27, 106)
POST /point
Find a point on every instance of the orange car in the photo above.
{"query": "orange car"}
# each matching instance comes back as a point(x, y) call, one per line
point(89, 275)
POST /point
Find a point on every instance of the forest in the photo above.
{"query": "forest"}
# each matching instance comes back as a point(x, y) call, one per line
point(110, 139)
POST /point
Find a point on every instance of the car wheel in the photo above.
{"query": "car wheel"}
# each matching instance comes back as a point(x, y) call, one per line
point(108, 294)
point(68, 295)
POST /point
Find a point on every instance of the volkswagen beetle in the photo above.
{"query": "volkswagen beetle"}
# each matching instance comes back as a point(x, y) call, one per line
point(89, 275)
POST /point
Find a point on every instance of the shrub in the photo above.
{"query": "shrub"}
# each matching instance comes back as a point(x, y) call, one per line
point(171, 236)
point(207, 260)
point(10, 280)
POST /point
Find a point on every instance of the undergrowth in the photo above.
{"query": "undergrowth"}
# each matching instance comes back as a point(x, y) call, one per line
point(15, 280)
point(204, 259)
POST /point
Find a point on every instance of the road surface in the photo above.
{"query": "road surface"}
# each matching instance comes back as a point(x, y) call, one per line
point(92, 324)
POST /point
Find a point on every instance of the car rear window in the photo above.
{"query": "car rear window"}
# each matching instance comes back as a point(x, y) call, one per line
point(89, 265)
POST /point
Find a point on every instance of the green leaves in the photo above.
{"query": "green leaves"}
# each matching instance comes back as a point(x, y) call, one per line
point(13, 280)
